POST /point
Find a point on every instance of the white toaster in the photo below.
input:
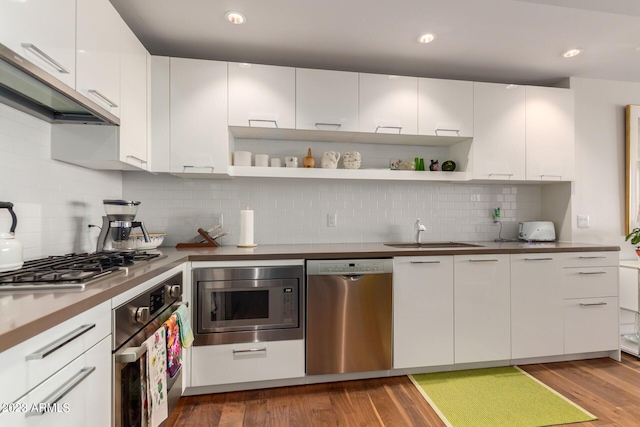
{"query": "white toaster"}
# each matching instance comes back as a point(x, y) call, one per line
point(537, 231)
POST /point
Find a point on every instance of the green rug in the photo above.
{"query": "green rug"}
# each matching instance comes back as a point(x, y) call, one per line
point(496, 397)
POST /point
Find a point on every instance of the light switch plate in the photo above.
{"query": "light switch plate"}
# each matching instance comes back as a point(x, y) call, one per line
point(583, 221)
point(332, 220)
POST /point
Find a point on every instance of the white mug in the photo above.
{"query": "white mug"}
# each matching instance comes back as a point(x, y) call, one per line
point(262, 160)
point(275, 163)
point(242, 158)
point(291, 162)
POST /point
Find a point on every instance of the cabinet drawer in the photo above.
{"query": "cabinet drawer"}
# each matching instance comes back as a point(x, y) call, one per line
point(590, 324)
point(237, 363)
point(31, 362)
point(87, 401)
point(590, 259)
point(589, 282)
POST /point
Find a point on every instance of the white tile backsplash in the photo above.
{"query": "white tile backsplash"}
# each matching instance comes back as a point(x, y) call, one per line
point(54, 201)
point(295, 210)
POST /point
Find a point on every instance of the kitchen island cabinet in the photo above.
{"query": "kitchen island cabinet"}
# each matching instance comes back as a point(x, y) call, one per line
point(28, 28)
point(422, 311)
point(481, 304)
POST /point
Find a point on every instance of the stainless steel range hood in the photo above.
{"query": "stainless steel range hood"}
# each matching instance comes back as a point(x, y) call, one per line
point(28, 88)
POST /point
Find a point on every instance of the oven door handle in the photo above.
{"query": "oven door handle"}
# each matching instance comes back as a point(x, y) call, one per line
point(177, 305)
point(131, 354)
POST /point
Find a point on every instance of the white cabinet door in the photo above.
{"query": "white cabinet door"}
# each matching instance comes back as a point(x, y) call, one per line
point(388, 104)
point(44, 32)
point(591, 324)
point(422, 311)
point(262, 96)
point(199, 133)
point(481, 301)
point(98, 53)
point(445, 107)
point(87, 401)
point(498, 147)
point(550, 134)
point(247, 362)
point(326, 100)
point(133, 98)
point(536, 306)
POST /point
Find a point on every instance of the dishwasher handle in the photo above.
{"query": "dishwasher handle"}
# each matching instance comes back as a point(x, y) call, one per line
point(352, 277)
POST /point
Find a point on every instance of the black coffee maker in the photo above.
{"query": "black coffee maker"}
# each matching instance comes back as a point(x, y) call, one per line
point(117, 225)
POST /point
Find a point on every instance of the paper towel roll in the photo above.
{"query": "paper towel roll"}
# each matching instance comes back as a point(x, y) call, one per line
point(246, 228)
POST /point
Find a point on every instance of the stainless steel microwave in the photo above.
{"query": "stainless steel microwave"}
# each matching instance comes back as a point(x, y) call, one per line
point(248, 304)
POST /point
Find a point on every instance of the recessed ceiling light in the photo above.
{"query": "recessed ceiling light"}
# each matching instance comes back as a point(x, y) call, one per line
point(426, 38)
point(235, 17)
point(571, 53)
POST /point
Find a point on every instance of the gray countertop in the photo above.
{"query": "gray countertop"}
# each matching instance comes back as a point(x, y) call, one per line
point(25, 314)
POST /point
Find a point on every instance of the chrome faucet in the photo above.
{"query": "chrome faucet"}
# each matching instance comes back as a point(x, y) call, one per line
point(419, 228)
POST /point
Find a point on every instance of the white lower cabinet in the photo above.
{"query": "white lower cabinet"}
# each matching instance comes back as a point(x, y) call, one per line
point(482, 315)
point(536, 305)
point(590, 324)
point(247, 362)
point(422, 311)
point(78, 395)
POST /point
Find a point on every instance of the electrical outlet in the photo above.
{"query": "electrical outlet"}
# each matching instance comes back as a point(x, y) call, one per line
point(332, 220)
point(217, 220)
point(583, 221)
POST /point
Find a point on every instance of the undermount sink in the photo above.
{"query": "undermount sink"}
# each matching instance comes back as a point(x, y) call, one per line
point(429, 245)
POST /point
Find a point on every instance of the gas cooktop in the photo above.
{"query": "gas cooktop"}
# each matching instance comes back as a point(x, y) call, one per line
point(69, 272)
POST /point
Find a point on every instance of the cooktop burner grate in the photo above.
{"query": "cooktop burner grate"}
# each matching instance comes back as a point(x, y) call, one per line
point(72, 268)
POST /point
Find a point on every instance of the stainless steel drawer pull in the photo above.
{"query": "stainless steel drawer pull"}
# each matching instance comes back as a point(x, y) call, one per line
point(483, 260)
point(591, 304)
point(552, 176)
point(592, 272)
point(104, 98)
point(50, 60)
point(64, 389)
point(275, 123)
point(137, 159)
point(56, 345)
point(184, 168)
point(338, 125)
point(501, 174)
point(538, 259)
point(424, 262)
point(592, 257)
point(398, 128)
point(457, 131)
point(250, 350)
point(131, 354)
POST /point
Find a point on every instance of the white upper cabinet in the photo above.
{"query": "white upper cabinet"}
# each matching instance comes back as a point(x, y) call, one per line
point(550, 134)
point(262, 96)
point(133, 96)
point(445, 107)
point(44, 32)
point(199, 135)
point(98, 59)
point(388, 104)
point(498, 148)
point(326, 100)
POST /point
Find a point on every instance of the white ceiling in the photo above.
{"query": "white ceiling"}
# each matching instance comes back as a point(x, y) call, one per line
point(515, 41)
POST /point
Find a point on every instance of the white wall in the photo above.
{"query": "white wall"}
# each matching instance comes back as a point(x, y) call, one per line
point(54, 201)
point(295, 210)
point(599, 187)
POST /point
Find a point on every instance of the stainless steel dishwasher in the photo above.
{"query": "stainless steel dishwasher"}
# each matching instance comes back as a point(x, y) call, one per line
point(349, 316)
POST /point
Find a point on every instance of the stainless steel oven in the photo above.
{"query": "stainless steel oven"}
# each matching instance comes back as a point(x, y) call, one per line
point(248, 304)
point(133, 322)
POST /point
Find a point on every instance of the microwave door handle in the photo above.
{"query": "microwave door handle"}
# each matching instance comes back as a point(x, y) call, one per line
point(131, 354)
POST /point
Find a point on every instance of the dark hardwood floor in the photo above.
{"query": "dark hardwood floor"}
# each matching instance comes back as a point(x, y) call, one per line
point(604, 387)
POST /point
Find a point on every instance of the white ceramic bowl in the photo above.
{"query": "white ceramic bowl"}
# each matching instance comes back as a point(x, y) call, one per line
point(352, 165)
point(136, 241)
